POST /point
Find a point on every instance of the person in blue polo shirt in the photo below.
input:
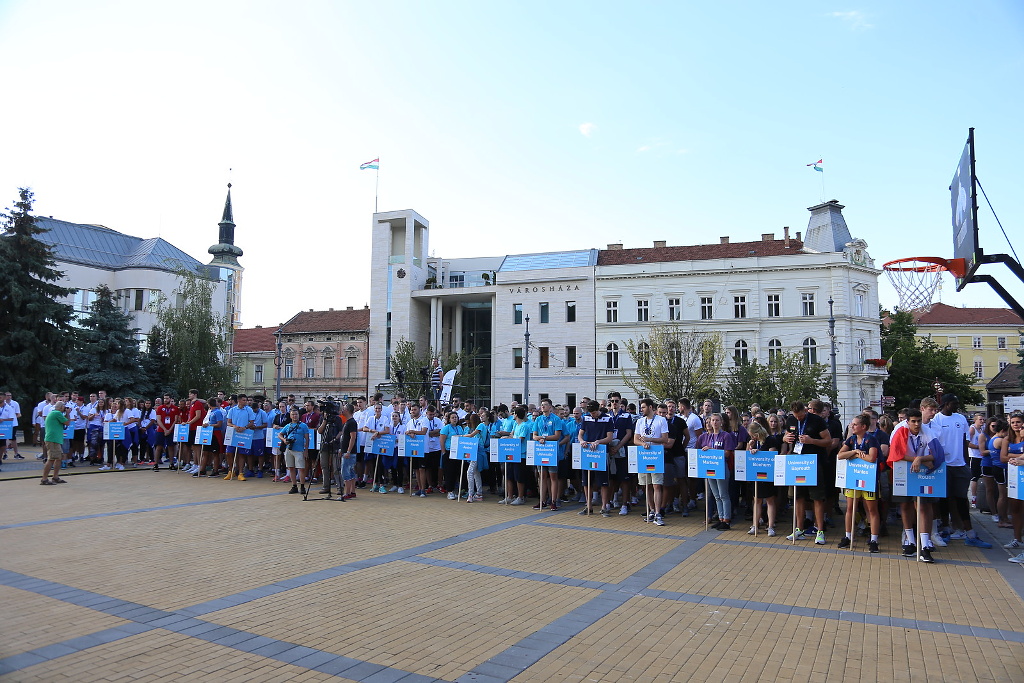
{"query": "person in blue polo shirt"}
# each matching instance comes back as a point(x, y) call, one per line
point(243, 419)
point(547, 427)
point(597, 429)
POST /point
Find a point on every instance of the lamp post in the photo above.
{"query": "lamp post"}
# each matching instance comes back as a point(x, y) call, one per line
point(526, 365)
point(278, 361)
point(832, 336)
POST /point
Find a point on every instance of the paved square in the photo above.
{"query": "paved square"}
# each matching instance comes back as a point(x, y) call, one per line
point(160, 577)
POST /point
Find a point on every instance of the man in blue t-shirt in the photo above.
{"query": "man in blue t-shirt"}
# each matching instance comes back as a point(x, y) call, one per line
point(243, 419)
point(547, 428)
point(597, 429)
point(294, 438)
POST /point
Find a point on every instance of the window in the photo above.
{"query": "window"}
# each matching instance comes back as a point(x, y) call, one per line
point(1000, 342)
point(541, 397)
point(1003, 364)
point(774, 305)
point(676, 355)
point(517, 358)
point(739, 307)
point(642, 310)
point(611, 312)
point(979, 369)
point(308, 364)
point(140, 295)
point(570, 311)
point(518, 398)
point(861, 351)
point(570, 356)
point(707, 308)
point(611, 359)
point(328, 366)
point(570, 400)
point(154, 300)
point(84, 299)
point(810, 351)
point(858, 304)
point(675, 311)
point(976, 342)
point(257, 373)
point(289, 368)
point(545, 316)
point(774, 350)
point(351, 366)
point(545, 360)
point(643, 354)
point(739, 352)
point(807, 299)
point(517, 314)
point(457, 280)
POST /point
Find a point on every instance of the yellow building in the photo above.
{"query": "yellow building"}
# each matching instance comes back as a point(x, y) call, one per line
point(985, 339)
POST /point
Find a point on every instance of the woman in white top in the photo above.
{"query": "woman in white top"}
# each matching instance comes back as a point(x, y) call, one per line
point(112, 413)
point(132, 418)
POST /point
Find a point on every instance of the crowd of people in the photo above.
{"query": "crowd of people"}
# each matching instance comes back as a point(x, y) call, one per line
point(332, 445)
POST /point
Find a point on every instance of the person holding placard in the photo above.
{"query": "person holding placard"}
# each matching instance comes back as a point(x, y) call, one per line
point(808, 434)
point(548, 428)
point(418, 425)
point(242, 418)
point(474, 481)
point(910, 443)
point(395, 466)
point(374, 426)
point(764, 491)
point(717, 439)
point(861, 445)
point(570, 435)
point(516, 477)
point(597, 429)
point(652, 429)
point(452, 466)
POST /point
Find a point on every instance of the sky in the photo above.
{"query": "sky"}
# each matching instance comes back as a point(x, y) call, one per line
point(513, 127)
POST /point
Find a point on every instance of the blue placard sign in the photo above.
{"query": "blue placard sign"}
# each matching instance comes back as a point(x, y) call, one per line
point(114, 431)
point(709, 464)
point(466, 448)
point(242, 439)
point(385, 444)
point(180, 433)
point(759, 466)
point(796, 470)
point(649, 460)
point(510, 450)
point(593, 460)
point(926, 483)
point(204, 436)
point(857, 474)
point(416, 446)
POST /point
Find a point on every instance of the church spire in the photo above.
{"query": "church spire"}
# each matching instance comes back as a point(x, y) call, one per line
point(225, 253)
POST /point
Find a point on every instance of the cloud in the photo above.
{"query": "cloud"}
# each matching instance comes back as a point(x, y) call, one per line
point(587, 128)
point(644, 148)
point(855, 18)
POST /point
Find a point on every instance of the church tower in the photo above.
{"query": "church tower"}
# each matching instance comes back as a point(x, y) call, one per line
point(225, 261)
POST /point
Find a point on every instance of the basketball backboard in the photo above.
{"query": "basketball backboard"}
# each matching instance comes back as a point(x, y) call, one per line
point(964, 203)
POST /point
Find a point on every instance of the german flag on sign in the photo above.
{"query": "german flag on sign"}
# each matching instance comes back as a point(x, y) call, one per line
point(800, 479)
point(651, 468)
point(710, 473)
point(762, 476)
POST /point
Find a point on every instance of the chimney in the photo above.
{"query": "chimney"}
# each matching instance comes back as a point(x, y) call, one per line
point(660, 244)
point(348, 308)
point(785, 233)
point(615, 247)
point(330, 309)
point(798, 238)
point(259, 327)
point(767, 236)
point(723, 240)
point(311, 310)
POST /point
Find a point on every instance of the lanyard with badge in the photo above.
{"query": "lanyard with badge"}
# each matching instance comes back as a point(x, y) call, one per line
point(798, 447)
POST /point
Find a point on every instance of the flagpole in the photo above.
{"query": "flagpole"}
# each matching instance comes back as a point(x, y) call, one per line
point(823, 184)
point(376, 188)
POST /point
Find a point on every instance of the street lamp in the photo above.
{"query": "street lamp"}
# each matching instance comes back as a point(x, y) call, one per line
point(832, 336)
point(526, 364)
point(278, 361)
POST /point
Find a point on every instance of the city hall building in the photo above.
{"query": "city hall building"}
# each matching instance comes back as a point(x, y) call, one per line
point(580, 307)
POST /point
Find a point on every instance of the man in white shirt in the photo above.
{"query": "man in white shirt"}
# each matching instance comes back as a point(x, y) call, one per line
point(7, 418)
point(17, 419)
point(950, 428)
point(418, 425)
point(651, 429)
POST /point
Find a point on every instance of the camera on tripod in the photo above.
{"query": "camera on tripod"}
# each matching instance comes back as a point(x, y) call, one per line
point(329, 407)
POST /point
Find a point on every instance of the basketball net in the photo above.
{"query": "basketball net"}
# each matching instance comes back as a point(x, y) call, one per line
point(915, 282)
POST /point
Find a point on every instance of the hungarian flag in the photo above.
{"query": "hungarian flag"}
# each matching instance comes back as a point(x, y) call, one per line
point(376, 164)
point(816, 165)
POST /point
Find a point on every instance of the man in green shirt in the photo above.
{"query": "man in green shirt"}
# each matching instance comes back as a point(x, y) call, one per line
point(53, 440)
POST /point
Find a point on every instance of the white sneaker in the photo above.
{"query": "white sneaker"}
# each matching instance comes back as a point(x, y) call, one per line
point(659, 521)
point(938, 541)
point(451, 495)
point(118, 466)
point(1013, 544)
point(1019, 559)
point(623, 510)
point(634, 501)
point(995, 518)
point(771, 531)
point(394, 489)
point(750, 531)
point(104, 468)
point(958, 535)
point(518, 501)
point(401, 489)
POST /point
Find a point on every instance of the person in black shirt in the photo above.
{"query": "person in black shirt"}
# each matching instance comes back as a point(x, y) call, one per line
point(345, 460)
point(807, 434)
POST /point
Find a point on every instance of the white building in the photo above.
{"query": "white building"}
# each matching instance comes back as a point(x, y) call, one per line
point(140, 272)
point(764, 296)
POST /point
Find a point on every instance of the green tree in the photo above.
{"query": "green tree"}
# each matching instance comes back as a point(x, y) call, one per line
point(918, 362)
point(37, 335)
point(675, 362)
point(784, 379)
point(407, 366)
point(195, 338)
point(106, 354)
point(155, 364)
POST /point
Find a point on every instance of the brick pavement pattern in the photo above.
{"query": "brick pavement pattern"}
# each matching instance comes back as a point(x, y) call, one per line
point(142, 576)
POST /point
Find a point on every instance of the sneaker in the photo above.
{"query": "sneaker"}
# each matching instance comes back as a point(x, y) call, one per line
point(421, 494)
point(995, 518)
point(451, 496)
point(700, 496)
point(797, 535)
point(478, 498)
point(974, 501)
point(873, 546)
point(845, 542)
point(518, 501)
point(606, 512)
point(241, 477)
point(429, 490)
point(722, 526)
point(937, 540)
point(19, 456)
point(771, 531)
point(553, 507)
point(925, 556)
point(909, 550)
point(382, 489)
point(293, 489)
point(156, 468)
point(634, 501)
point(349, 496)
point(45, 482)
point(393, 489)
point(819, 538)
point(259, 474)
point(104, 468)
point(1019, 559)
point(286, 478)
point(324, 490)
point(750, 531)
point(977, 543)
point(585, 511)
point(401, 489)
point(119, 467)
point(624, 510)
point(659, 520)
point(958, 535)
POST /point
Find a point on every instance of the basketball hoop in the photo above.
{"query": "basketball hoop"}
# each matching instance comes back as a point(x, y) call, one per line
point(916, 278)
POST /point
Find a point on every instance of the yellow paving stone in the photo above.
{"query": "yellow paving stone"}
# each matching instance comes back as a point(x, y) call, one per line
point(607, 557)
point(674, 524)
point(165, 656)
point(434, 621)
point(976, 596)
point(669, 640)
point(31, 621)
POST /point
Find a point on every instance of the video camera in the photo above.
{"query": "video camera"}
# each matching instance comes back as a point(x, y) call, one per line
point(329, 407)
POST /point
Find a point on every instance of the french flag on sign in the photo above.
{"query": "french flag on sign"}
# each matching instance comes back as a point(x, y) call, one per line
point(927, 489)
point(861, 483)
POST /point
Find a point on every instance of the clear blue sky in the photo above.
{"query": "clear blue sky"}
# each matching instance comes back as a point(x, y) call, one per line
point(513, 127)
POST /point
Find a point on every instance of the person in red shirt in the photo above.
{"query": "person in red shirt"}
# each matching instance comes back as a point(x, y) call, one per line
point(166, 417)
point(196, 413)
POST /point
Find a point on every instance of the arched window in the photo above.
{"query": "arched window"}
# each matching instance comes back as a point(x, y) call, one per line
point(612, 356)
point(739, 352)
point(774, 350)
point(643, 354)
point(862, 351)
point(810, 351)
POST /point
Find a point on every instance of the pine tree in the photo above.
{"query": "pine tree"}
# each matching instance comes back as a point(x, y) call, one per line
point(37, 335)
point(106, 354)
point(155, 364)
